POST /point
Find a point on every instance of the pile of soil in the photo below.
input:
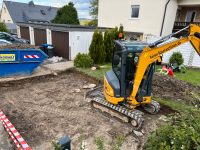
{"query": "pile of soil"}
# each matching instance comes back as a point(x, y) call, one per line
point(19, 46)
point(170, 88)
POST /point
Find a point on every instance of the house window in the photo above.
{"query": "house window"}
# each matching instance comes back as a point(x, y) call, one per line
point(135, 9)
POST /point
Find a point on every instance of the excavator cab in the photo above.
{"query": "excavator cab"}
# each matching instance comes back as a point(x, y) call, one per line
point(119, 81)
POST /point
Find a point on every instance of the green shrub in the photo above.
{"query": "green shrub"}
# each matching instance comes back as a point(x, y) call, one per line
point(176, 58)
point(99, 142)
point(183, 133)
point(3, 27)
point(97, 50)
point(83, 61)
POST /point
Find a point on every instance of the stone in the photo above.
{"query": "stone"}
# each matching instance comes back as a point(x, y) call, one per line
point(90, 86)
point(163, 118)
point(137, 133)
point(77, 90)
point(94, 68)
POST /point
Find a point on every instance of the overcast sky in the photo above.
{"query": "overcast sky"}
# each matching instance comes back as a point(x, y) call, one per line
point(81, 5)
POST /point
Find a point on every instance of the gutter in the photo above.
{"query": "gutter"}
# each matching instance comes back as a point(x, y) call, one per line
point(161, 31)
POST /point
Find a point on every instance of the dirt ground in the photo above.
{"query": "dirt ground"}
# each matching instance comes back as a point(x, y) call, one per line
point(170, 88)
point(46, 108)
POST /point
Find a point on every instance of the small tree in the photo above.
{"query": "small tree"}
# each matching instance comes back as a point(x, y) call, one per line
point(96, 50)
point(176, 58)
point(67, 15)
point(3, 27)
point(109, 44)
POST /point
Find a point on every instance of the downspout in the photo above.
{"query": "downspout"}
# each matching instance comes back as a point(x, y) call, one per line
point(164, 17)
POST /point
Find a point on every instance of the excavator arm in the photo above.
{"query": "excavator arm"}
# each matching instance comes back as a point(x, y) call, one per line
point(152, 54)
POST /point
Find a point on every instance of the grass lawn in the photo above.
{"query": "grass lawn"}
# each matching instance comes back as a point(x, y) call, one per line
point(192, 75)
point(99, 73)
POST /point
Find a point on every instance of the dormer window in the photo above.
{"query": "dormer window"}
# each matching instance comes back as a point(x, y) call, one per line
point(43, 12)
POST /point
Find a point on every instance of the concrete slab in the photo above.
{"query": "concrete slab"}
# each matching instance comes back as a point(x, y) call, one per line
point(60, 66)
point(46, 69)
point(4, 140)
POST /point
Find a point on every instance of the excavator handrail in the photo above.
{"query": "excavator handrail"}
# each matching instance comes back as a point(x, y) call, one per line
point(152, 45)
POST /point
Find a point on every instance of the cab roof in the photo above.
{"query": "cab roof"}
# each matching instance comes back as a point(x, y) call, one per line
point(131, 46)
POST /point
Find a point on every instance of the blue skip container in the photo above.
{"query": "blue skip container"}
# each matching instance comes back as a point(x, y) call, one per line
point(20, 62)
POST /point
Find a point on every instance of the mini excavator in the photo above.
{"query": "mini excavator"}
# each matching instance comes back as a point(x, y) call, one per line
point(129, 84)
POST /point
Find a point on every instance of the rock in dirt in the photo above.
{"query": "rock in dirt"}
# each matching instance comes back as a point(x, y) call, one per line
point(138, 133)
point(90, 86)
point(163, 118)
point(94, 68)
point(77, 90)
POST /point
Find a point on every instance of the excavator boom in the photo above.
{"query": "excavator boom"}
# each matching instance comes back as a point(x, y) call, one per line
point(152, 53)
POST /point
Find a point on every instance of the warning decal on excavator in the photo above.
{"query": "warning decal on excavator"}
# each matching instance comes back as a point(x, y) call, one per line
point(7, 57)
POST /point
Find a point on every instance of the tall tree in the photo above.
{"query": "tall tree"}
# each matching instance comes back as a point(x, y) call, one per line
point(109, 44)
point(94, 12)
point(96, 50)
point(67, 15)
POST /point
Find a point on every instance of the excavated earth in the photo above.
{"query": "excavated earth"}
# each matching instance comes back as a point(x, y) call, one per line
point(46, 108)
point(19, 46)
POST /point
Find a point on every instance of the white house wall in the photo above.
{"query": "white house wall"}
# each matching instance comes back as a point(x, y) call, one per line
point(170, 17)
point(196, 60)
point(79, 42)
point(115, 12)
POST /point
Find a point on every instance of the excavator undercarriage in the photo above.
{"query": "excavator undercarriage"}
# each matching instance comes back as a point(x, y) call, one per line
point(121, 111)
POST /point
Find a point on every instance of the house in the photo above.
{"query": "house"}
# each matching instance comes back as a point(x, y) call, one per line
point(13, 12)
point(148, 17)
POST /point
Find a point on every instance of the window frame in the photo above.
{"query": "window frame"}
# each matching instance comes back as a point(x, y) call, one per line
point(138, 6)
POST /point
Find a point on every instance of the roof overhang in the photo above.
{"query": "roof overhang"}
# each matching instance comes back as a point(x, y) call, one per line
point(60, 27)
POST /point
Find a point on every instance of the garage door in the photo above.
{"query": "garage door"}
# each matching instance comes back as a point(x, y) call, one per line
point(40, 36)
point(60, 41)
point(24, 31)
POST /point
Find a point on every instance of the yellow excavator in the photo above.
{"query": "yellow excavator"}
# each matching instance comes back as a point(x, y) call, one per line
point(129, 84)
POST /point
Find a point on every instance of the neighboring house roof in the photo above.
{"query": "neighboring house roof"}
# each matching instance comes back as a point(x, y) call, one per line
point(23, 12)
